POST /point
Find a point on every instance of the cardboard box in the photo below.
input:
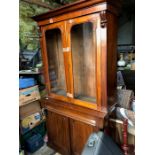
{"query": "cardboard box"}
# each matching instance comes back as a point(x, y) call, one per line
point(29, 109)
point(28, 95)
point(124, 98)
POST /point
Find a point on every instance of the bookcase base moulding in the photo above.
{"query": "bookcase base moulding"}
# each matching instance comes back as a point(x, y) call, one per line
point(79, 54)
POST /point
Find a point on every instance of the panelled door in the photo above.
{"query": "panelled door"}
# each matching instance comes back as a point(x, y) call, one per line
point(79, 133)
point(58, 132)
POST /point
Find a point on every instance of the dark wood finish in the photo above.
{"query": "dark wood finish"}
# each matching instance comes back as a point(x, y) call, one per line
point(105, 58)
point(58, 132)
point(80, 113)
point(86, 11)
point(68, 59)
point(70, 128)
point(88, 34)
point(111, 55)
point(79, 5)
point(79, 135)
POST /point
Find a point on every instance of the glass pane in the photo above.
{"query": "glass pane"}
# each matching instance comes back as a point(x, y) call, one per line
point(56, 61)
point(84, 68)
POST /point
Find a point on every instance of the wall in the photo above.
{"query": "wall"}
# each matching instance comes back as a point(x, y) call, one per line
point(28, 32)
point(126, 30)
point(126, 26)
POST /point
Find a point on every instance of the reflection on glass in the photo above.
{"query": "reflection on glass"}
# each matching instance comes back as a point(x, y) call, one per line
point(84, 64)
point(56, 61)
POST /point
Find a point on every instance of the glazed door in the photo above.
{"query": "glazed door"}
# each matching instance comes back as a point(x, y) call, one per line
point(84, 42)
point(56, 60)
point(72, 58)
point(58, 132)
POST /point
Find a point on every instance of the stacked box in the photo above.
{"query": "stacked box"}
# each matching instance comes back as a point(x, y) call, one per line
point(28, 95)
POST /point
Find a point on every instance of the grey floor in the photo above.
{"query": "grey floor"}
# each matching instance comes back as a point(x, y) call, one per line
point(45, 150)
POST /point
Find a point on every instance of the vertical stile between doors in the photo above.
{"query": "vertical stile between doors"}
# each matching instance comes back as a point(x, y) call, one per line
point(68, 61)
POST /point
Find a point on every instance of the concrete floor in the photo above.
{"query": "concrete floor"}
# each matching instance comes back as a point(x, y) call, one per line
point(45, 150)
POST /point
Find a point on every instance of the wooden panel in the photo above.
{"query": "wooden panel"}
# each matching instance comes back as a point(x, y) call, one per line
point(98, 63)
point(68, 61)
point(103, 38)
point(82, 4)
point(91, 10)
point(58, 133)
point(57, 104)
point(88, 119)
point(73, 15)
point(79, 134)
point(111, 58)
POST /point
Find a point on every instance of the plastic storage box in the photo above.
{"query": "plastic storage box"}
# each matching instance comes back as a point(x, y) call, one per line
point(26, 82)
point(34, 143)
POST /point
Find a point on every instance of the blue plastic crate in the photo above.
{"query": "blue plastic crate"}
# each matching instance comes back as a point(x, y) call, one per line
point(26, 82)
point(34, 143)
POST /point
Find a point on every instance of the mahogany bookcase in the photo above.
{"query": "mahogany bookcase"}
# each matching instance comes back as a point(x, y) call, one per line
point(79, 43)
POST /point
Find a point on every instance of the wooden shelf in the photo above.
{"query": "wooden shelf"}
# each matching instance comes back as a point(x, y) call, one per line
point(28, 73)
point(28, 103)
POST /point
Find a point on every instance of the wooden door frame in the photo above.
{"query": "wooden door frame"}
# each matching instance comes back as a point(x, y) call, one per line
point(60, 26)
point(95, 20)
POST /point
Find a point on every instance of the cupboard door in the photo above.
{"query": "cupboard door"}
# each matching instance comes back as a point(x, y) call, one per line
point(79, 135)
point(58, 132)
